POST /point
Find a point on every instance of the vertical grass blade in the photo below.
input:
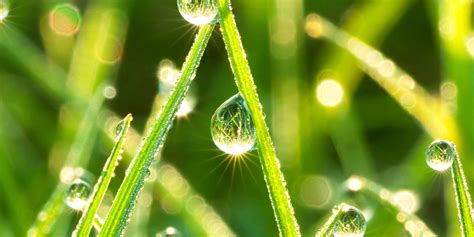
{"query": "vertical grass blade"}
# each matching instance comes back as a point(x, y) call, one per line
point(87, 220)
point(463, 199)
point(127, 194)
point(276, 185)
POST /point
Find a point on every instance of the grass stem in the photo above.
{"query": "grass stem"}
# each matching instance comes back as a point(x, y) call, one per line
point(276, 184)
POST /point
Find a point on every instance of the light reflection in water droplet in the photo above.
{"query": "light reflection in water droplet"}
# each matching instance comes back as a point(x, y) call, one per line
point(198, 12)
point(232, 128)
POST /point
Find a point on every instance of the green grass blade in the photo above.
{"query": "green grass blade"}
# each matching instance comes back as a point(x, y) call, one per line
point(85, 223)
point(463, 199)
point(276, 185)
point(127, 194)
point(48, 215)
point(21, 54)
point(432, 113)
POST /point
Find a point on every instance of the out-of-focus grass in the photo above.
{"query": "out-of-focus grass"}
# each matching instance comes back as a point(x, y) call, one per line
point(374, 129)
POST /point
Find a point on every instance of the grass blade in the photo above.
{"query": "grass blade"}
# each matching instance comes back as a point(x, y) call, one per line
point(463, 199)
point(432, 113)
point(276, 185)
point(87, 220)
point(129, 189)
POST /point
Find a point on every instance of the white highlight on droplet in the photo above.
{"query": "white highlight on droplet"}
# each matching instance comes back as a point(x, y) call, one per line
point(198, 12)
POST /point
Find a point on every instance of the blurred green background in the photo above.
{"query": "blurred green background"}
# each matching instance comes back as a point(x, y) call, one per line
point(369, 134)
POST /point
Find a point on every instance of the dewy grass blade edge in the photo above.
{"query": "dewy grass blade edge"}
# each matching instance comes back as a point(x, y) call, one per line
point(463, 199)
point(276, 185)
point(129, 189)
point(87, 220)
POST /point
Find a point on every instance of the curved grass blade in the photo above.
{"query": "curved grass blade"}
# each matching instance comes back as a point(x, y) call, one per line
point(364, 185)
point(431, 112)
point(127, 194)
point(87, 220)
point(276, 185)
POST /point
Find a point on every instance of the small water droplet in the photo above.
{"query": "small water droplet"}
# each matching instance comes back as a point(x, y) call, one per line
point(440, 155)
point(4, 9)
point(232, 128)
point(148, 173)
point(351, 222)
point(169, 232)
point(77, 194)
point(119, 128)
point(198, 12)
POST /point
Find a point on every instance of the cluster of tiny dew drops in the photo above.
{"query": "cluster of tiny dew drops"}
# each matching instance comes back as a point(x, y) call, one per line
point(198, 12)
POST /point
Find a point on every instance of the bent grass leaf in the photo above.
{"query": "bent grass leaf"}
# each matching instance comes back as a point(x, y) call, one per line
point(88, 217)
point(128, 192)
point(433, 114)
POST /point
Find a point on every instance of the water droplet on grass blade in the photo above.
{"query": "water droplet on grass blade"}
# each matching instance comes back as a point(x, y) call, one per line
point(350, 223)
point(440, 155)
point(198, 12)
point(119, 128)
point(4, 9)
point(232, 128)
point(77, 194)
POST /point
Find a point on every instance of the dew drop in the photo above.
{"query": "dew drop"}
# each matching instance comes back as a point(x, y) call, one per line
point(350, 223)
point(198, 12)
point(4, 9)
point(119, 128)
point(232, 128)
point(440, 155)
point(148, 173)
point(77, 194)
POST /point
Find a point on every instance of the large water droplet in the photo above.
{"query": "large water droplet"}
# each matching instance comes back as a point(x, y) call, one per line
point(77, 194)
point(350, 223)
point(198, 12)
point(4, 9)
point(232, 128)
point(440, 155)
